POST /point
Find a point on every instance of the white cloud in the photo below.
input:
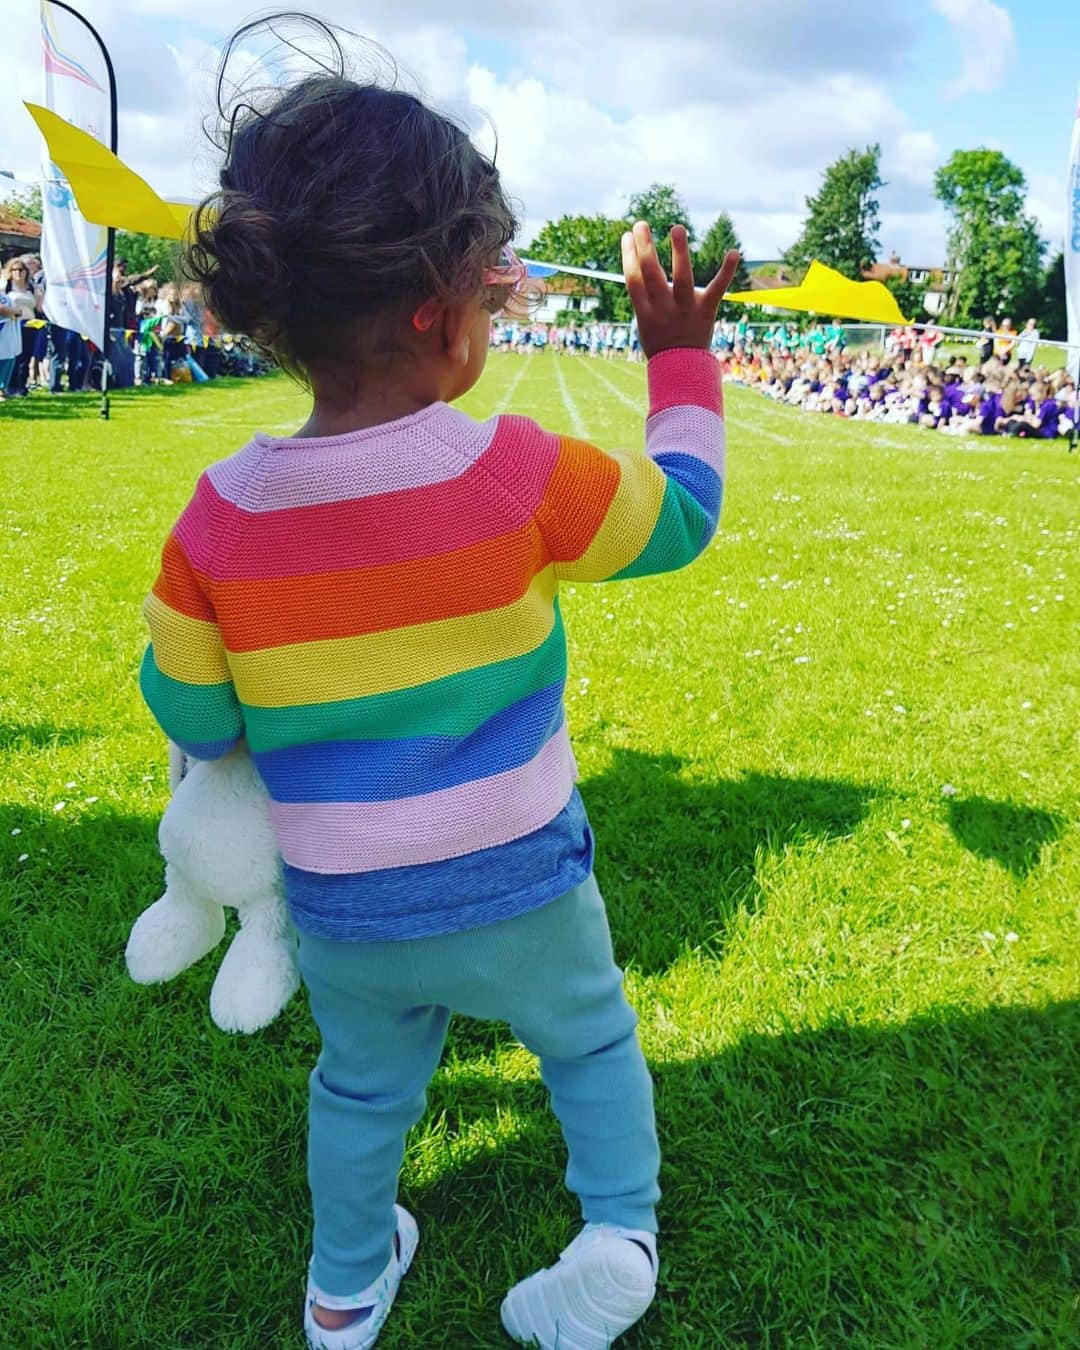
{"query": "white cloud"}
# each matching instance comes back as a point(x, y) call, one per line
point(591, 103)
point(985, 44)
point(1046, 202)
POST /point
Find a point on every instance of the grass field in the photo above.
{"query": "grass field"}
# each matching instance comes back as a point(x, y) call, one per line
point(832, 770)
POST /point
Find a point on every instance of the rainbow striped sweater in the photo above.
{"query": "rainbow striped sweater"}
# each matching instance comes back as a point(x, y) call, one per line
point(378, 614)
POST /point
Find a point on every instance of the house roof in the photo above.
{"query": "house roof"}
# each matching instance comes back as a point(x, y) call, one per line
point(562, 284)
point(16, 233)
point(10, 223)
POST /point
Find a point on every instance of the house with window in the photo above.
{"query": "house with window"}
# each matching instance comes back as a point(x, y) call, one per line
point(18, 235)
point(937, 280)
point(562, 294)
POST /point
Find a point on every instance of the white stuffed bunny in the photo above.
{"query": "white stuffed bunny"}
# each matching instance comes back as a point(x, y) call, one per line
point(219, 849)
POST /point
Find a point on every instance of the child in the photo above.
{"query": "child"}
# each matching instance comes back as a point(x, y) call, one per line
point(372, 604)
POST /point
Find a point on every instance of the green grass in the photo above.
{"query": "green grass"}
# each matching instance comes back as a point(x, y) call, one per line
point(858, 991)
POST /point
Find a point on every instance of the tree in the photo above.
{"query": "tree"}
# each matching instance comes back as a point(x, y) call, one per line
point(661, 207)
point(842, 226)
point(26, 204)
point(910, 296)
point(1052, 310)
point(995, 252)
point(587, 241)
point(143, 251)
point(709, 254)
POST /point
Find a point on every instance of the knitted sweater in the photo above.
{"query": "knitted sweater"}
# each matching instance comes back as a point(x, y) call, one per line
point(378, 614)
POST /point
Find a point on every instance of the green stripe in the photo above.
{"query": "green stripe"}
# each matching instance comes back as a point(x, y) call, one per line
point(452, 706)
point(192, 713)
point(676, 538)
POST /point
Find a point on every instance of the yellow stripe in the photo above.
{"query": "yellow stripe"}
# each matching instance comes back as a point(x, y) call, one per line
point(400, 658)
point(628, 525)
point(185, 649)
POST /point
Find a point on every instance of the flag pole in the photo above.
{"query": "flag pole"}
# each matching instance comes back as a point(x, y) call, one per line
point(111, 237)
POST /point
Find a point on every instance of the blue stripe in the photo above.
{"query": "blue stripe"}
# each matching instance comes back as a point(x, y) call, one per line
point(385, 770)
point(704, 484)
point(485, 887)
point(207, 749)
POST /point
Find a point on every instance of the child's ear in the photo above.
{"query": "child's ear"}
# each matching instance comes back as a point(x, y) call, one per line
point(457, 332)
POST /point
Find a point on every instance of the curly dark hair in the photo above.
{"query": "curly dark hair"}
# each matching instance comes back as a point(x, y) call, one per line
point(341, 203)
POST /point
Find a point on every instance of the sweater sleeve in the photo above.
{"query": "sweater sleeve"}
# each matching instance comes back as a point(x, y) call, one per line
point(613, 516)
point(185, 675)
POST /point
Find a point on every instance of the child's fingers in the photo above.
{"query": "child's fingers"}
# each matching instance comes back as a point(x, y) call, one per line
point(714, 291)
point(631, 266)
point(652, 274)
point(682, 269)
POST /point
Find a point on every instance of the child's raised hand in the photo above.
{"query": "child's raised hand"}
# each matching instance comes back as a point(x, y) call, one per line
point(671, 314)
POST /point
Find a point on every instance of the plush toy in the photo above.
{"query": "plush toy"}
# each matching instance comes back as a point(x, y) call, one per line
point(219, 849)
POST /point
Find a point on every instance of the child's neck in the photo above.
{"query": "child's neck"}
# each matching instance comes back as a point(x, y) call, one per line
point(381, 401)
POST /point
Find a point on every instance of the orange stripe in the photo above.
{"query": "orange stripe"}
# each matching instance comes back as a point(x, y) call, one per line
point(577, 496)
point(280, 611)
point(176, 585)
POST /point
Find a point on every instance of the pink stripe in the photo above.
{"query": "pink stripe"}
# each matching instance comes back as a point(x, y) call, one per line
point(429, 447)
point(393, 527)
point(58, 65)
point(687, 431)
point(684, 375)
point(336, 837)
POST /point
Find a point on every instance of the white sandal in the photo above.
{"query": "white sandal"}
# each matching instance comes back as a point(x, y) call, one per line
point(602, 1284)
point(379, 1296)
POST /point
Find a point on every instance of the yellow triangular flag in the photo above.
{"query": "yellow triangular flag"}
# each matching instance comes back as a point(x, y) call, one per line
point(106, 190)
point(824, 291)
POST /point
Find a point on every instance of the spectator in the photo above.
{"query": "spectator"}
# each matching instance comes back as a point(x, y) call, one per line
point(39, 346)
point(147, 343)
point(70, 354)
point(929, 341)
point(964, 399)
point(10, 334)
point(986, 342)
point(171, 330)
point(18, 287)
point(1004, 341)
point(1027, 344)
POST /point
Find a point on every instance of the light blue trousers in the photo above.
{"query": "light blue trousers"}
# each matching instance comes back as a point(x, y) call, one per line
point(383, 1009)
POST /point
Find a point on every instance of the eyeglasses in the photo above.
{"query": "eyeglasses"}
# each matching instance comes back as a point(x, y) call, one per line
point(503, 282)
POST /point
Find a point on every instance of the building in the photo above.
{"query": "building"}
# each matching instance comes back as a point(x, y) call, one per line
point(937, 280)
point(18, 235)
point(562, 294)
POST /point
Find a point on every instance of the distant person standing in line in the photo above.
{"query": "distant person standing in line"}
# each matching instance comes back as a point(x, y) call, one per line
point(1004, 341)
point(1027, 344)
point(929, 340)
point(10, 336)
point(986, 342)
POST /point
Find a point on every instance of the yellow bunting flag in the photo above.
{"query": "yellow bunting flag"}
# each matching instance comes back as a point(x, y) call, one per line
point(823, 291)
point(106, 190)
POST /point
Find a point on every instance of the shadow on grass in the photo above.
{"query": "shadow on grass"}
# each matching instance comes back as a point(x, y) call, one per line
point(1011, 834)
point(690, 849)
point(86, 405)
point(908, 1185)
point(869, 1186)
point(39, 407)
point(40, 735)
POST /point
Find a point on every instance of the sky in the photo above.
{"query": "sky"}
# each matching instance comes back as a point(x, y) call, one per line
point(740, 105)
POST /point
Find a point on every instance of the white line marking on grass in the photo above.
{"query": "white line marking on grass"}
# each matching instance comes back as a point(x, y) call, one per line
point(754, 429)
point(577, 424)
point(614, 389)
point(511, 390)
